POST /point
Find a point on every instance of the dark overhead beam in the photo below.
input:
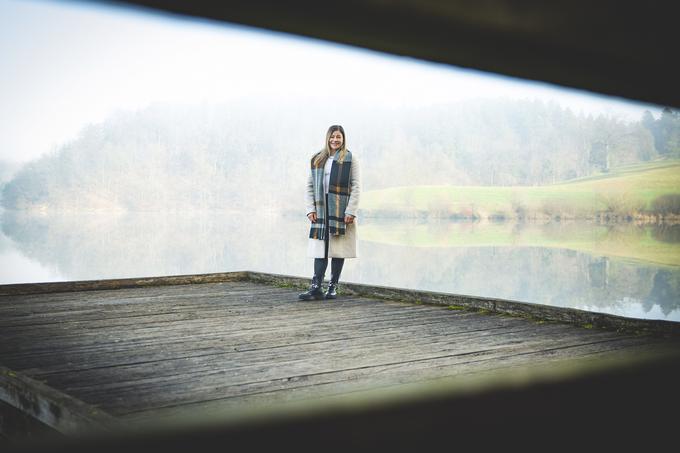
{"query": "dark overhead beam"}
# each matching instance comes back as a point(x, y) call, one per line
point(604, 46)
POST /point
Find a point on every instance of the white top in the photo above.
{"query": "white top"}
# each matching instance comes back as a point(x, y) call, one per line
point(327, 174)
point(355, 189)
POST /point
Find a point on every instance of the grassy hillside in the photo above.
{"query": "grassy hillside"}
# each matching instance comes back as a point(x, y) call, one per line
point(624, 191)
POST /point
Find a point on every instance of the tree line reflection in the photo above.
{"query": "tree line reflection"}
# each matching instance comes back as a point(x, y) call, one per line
point(86, 246)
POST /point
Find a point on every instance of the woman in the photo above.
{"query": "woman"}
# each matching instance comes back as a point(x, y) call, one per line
point(332, 199)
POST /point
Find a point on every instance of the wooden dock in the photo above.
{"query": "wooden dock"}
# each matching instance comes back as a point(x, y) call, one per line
point(230, 350)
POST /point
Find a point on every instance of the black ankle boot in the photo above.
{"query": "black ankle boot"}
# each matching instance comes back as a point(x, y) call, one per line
point(314, 291)
point(332, 291)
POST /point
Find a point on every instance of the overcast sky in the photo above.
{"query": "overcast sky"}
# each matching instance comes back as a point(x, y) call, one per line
point(66, 64)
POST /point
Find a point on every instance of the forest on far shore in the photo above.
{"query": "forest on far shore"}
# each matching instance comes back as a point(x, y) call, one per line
point(242, 156)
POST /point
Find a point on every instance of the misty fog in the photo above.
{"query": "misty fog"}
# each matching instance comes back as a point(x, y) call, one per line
point(254, 153)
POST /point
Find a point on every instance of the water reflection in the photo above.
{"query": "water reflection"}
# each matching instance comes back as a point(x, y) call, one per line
point(667, 233)
point(626, 269)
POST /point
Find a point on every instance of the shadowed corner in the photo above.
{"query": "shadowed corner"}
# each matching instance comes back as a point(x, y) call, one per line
point(613, 403)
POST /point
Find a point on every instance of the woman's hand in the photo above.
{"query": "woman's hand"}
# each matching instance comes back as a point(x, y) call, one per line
point(312, 217)
point(349, 219)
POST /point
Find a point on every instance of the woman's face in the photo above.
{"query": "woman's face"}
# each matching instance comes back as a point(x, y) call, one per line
point(335, 140)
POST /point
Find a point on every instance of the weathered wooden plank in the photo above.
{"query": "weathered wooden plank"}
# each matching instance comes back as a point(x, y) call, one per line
point(291, 379)
point(268, 349)
point(163, 313)
point(114, 295)
point(230, 307)
point(516, 308)
point(147, 351)
point(395, 340)
point(219, 309)
point(110, 299)
point(81, 336)
point(85, 305)
point(163, 347)
point(496, 305)
point(271, 320)
point(420, 307)
point(352, 309)
point(221, 376)
point(51, 407)
point(94, 285)
point(403, 375)
point(190, 303)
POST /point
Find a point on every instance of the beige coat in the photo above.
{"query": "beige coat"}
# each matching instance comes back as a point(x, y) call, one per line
point(342, 246)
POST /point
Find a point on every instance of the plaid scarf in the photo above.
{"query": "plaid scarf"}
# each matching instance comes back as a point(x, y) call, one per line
point(338, 196)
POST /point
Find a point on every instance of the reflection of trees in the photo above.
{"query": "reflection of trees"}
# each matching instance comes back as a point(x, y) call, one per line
point(5, 244)
point(548, 276)
point(598, 272)
point(96, 246)
point(667, 233)
point(533, 274)
point(665, 291)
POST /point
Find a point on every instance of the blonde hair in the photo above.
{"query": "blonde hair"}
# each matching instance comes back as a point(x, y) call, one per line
point(319, 159)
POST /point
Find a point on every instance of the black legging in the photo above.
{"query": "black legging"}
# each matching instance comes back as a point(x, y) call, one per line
point(321, 264)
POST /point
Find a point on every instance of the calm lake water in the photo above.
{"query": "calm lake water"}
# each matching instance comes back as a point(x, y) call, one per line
point(626, 270)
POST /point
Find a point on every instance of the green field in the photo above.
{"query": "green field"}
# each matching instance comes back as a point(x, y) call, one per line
point(627, 190)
